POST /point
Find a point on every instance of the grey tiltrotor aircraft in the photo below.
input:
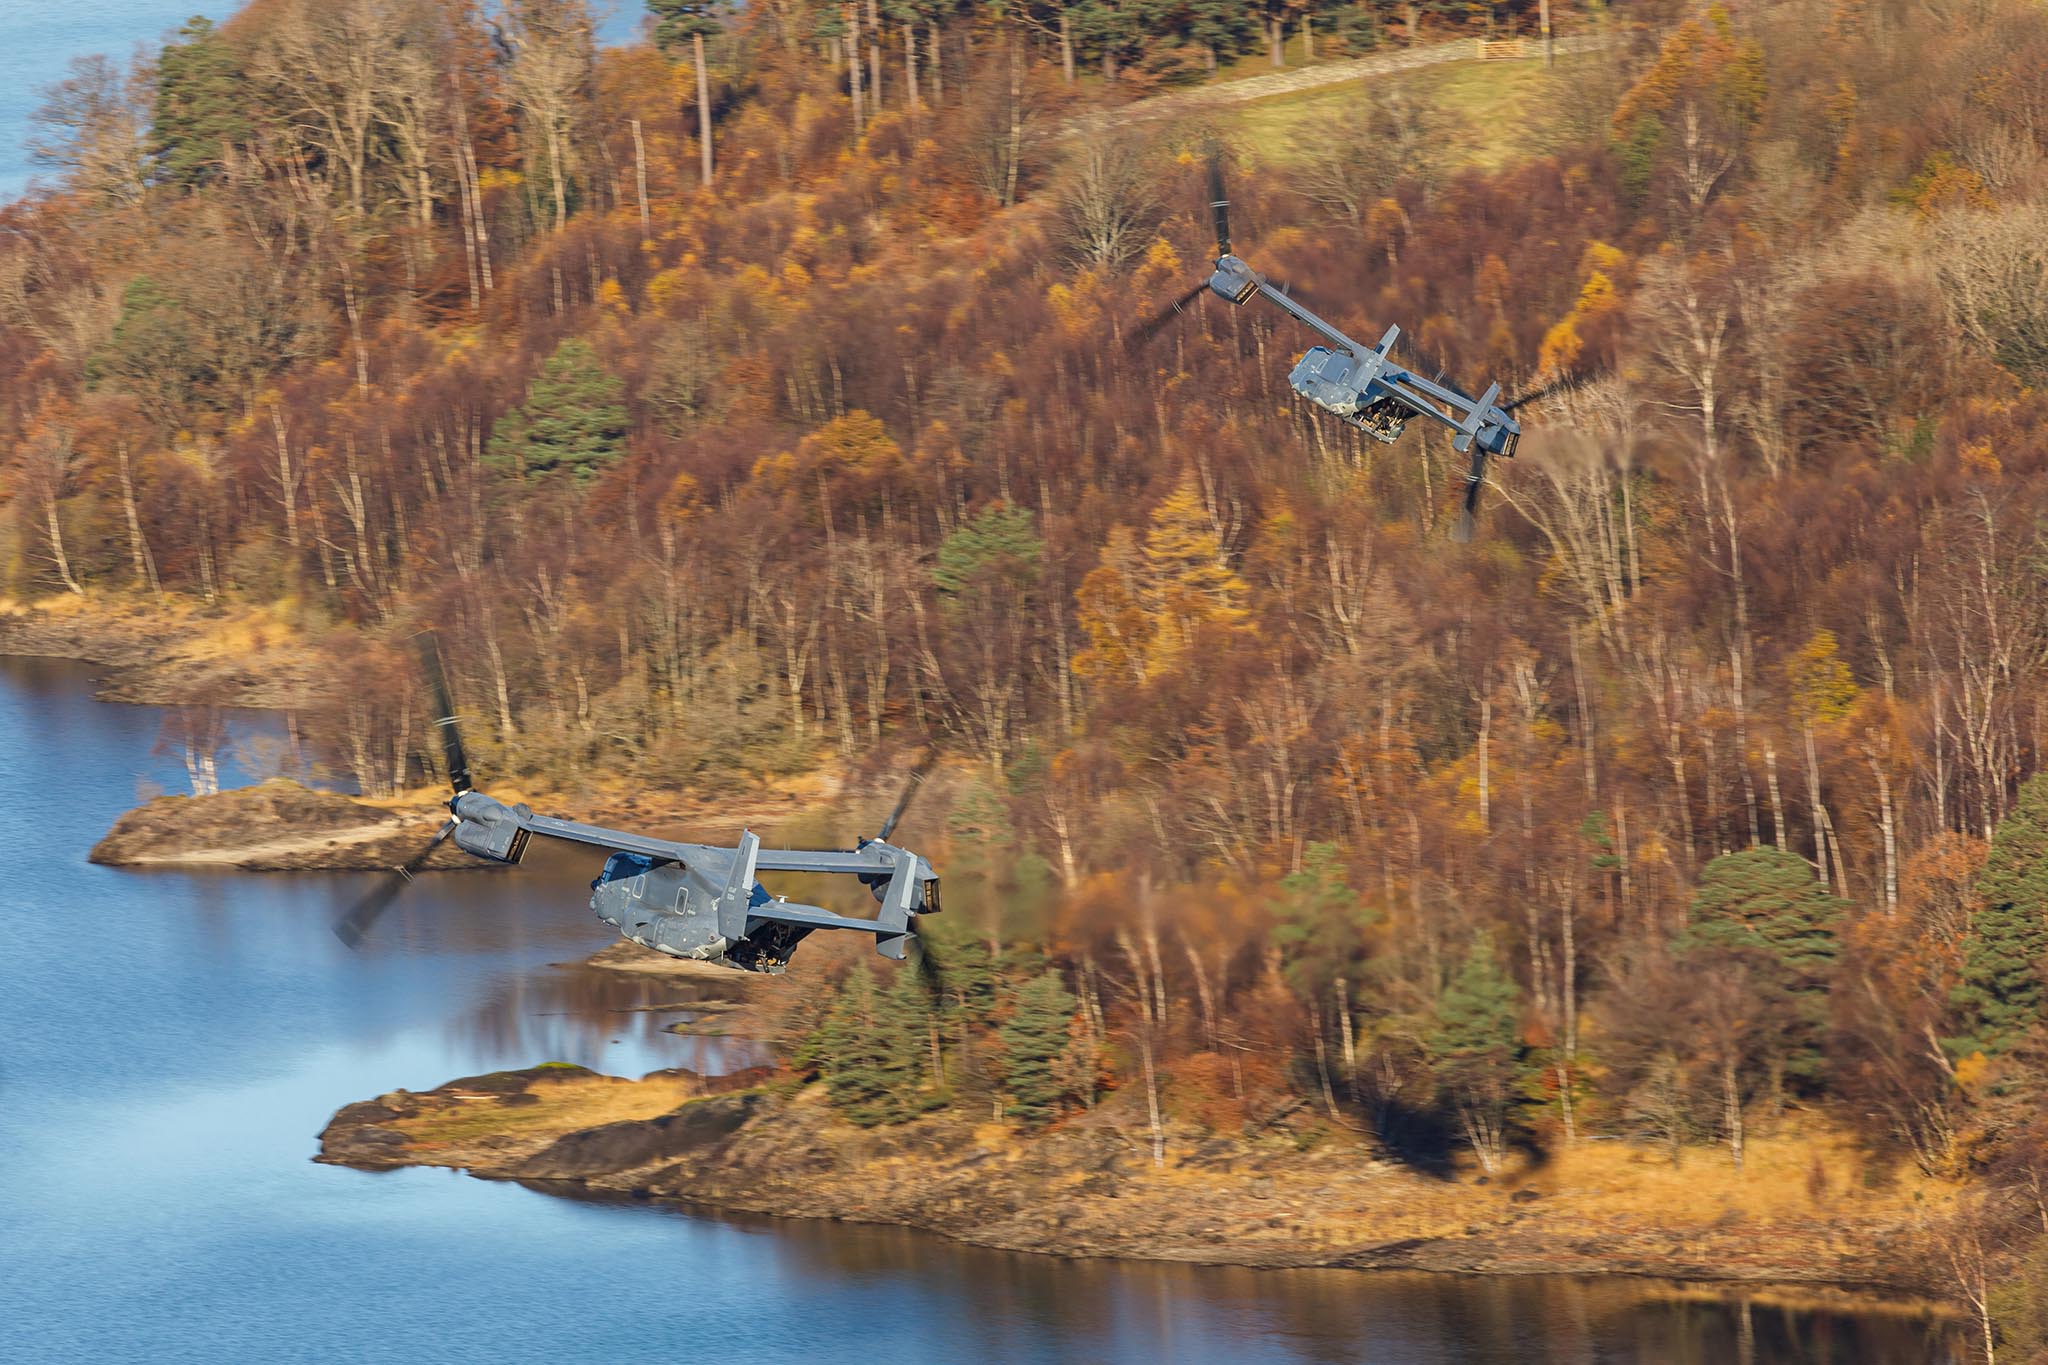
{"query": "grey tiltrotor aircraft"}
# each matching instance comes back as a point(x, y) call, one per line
point(697, 901)
point(1364, 386)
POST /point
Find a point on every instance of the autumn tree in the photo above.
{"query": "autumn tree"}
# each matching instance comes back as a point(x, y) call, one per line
point(1109, 205)
point(93, 125)
point(1690, 114)
point(553, 46)
point(1147, 603)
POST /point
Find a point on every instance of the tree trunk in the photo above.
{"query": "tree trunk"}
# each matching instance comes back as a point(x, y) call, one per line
point(1066, 48)
point(1731, 1111)
point(853, 68)
point(1315, 1026)
point(138, 544)
point(640, 179)
point(1819, 816)
point(910, 67)
point(1152, 1096)
point(287, 477)
point(1016, 122)
point(1346, 1036)
point(703, 107)
point(1889, 825)
point(55, 527)
point(466, 170)
point(561, 190)
point(1777, 798)
point(875, 54)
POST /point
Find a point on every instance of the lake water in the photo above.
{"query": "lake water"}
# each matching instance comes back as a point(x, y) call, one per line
point(171, 1045)
point(38, 39)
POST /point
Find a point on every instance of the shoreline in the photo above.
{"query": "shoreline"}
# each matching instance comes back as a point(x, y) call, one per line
point(1097, 1202)
point(1087, 1189)
point(170, 653)
point(1791, 1295)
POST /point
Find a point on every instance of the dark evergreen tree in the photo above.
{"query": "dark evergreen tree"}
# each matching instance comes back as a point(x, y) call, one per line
point(1764, 907)
point(1034, 1041)
point(1475, 1028)
point(1320, 923)
point(994, 551)
point(573, 420)
point(1477, 1050)
point(1768, 898)
point(202, 102)
point(2000, 995)
point(152, 354)
point(676, 22)
point(871, 1049)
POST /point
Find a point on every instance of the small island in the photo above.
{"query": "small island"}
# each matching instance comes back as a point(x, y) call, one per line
point(275, 826)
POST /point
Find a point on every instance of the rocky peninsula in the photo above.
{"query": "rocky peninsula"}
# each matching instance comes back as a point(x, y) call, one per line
point(1300, 1192)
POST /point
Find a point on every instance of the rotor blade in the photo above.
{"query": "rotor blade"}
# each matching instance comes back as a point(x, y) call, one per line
point(1219, 203)
point(1541, 391)
point(351, 928)
point(444, 711)
point(1557, 385)
point(1444, 383)
point(1468, 515)
point(917, 772)
point(1150, 328)
point(930, 971)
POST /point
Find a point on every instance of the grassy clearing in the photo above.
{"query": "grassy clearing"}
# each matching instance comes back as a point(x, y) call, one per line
point(564, 1107)
point(1499, 105)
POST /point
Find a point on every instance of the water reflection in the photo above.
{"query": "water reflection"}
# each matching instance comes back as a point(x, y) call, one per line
point(174, 1042)
point(576, 1011)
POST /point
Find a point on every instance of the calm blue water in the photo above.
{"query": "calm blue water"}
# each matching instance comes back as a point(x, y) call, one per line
point(38, 39)
point(171, 1044)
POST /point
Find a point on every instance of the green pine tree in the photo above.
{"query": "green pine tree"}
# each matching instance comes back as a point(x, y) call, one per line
point(1320, 923)
point(871, 1049)
point(1476, 1032)
point(573, 420)
point(1765, 907)
point(152, 354)
point(1768, 898)
point(678, 21)
point(995, 551)
point(1034, 1041)
point(202, 99)
point(1477, 1050)
point(2000, 996)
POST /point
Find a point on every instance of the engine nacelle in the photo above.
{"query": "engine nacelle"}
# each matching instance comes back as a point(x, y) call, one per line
point(489, 828)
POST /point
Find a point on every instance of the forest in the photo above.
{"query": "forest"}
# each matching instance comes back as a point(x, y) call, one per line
point(753, 399)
